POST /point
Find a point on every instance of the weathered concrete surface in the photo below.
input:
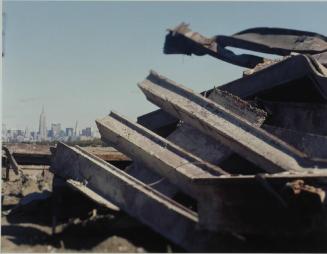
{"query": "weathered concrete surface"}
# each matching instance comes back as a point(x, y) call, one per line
point(304, 117)
point(204, 146)
point(162, 214)
point(156, 153)
point(254, 144)
point(315, 146)
point(107, 153)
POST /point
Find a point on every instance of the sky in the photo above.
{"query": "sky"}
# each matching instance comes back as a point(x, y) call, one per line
point(83, 59)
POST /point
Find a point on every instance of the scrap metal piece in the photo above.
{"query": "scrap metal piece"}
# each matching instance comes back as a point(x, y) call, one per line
point(177, 223)
point(304, 197)
point(277, 41)
point(156, 153)
point(298, 187)
point(181, 40)
point(249, 141)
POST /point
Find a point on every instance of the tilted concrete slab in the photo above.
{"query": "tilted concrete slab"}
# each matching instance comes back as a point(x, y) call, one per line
point(305, 117)
point(315, 146)
point(156, 153)
point(279, 75)
point(251, 142)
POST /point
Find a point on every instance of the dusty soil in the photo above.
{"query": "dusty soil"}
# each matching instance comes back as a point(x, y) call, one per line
point(82, 225)
point(28, 206)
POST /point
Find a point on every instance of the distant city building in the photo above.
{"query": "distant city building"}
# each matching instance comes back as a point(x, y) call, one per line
point(33, 135)
point(75, 130)
point(53, 134)
point(87, 132)
point(56, 129)
point(69, 132)
point(42, 126)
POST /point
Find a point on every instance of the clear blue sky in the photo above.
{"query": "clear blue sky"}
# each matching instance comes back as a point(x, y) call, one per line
point(82, 59)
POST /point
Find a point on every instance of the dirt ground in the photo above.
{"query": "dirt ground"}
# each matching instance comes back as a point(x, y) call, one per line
point(28, 206)
point(82, 225)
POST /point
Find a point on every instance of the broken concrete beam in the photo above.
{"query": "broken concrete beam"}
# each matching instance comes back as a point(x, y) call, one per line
point(305, 117)
point(289, 80)
point(155, 152)
point(176, 222)
point(315, 146)
point(203, 145)
point(249, 141)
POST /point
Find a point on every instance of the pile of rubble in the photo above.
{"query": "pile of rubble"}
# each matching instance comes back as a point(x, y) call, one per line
point(246, 159)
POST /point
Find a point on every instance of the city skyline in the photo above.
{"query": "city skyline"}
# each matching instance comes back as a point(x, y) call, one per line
point(83, 59)
point(45, 133)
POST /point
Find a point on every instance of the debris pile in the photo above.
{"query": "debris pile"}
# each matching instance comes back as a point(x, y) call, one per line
point(243, 160)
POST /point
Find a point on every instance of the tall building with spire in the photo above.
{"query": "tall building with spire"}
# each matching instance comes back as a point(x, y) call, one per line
point(42, 126)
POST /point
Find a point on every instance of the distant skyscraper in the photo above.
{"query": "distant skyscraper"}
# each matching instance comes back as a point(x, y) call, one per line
point(42, 126)
point(69, 132)
point(75, 131)
point(56, 128)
